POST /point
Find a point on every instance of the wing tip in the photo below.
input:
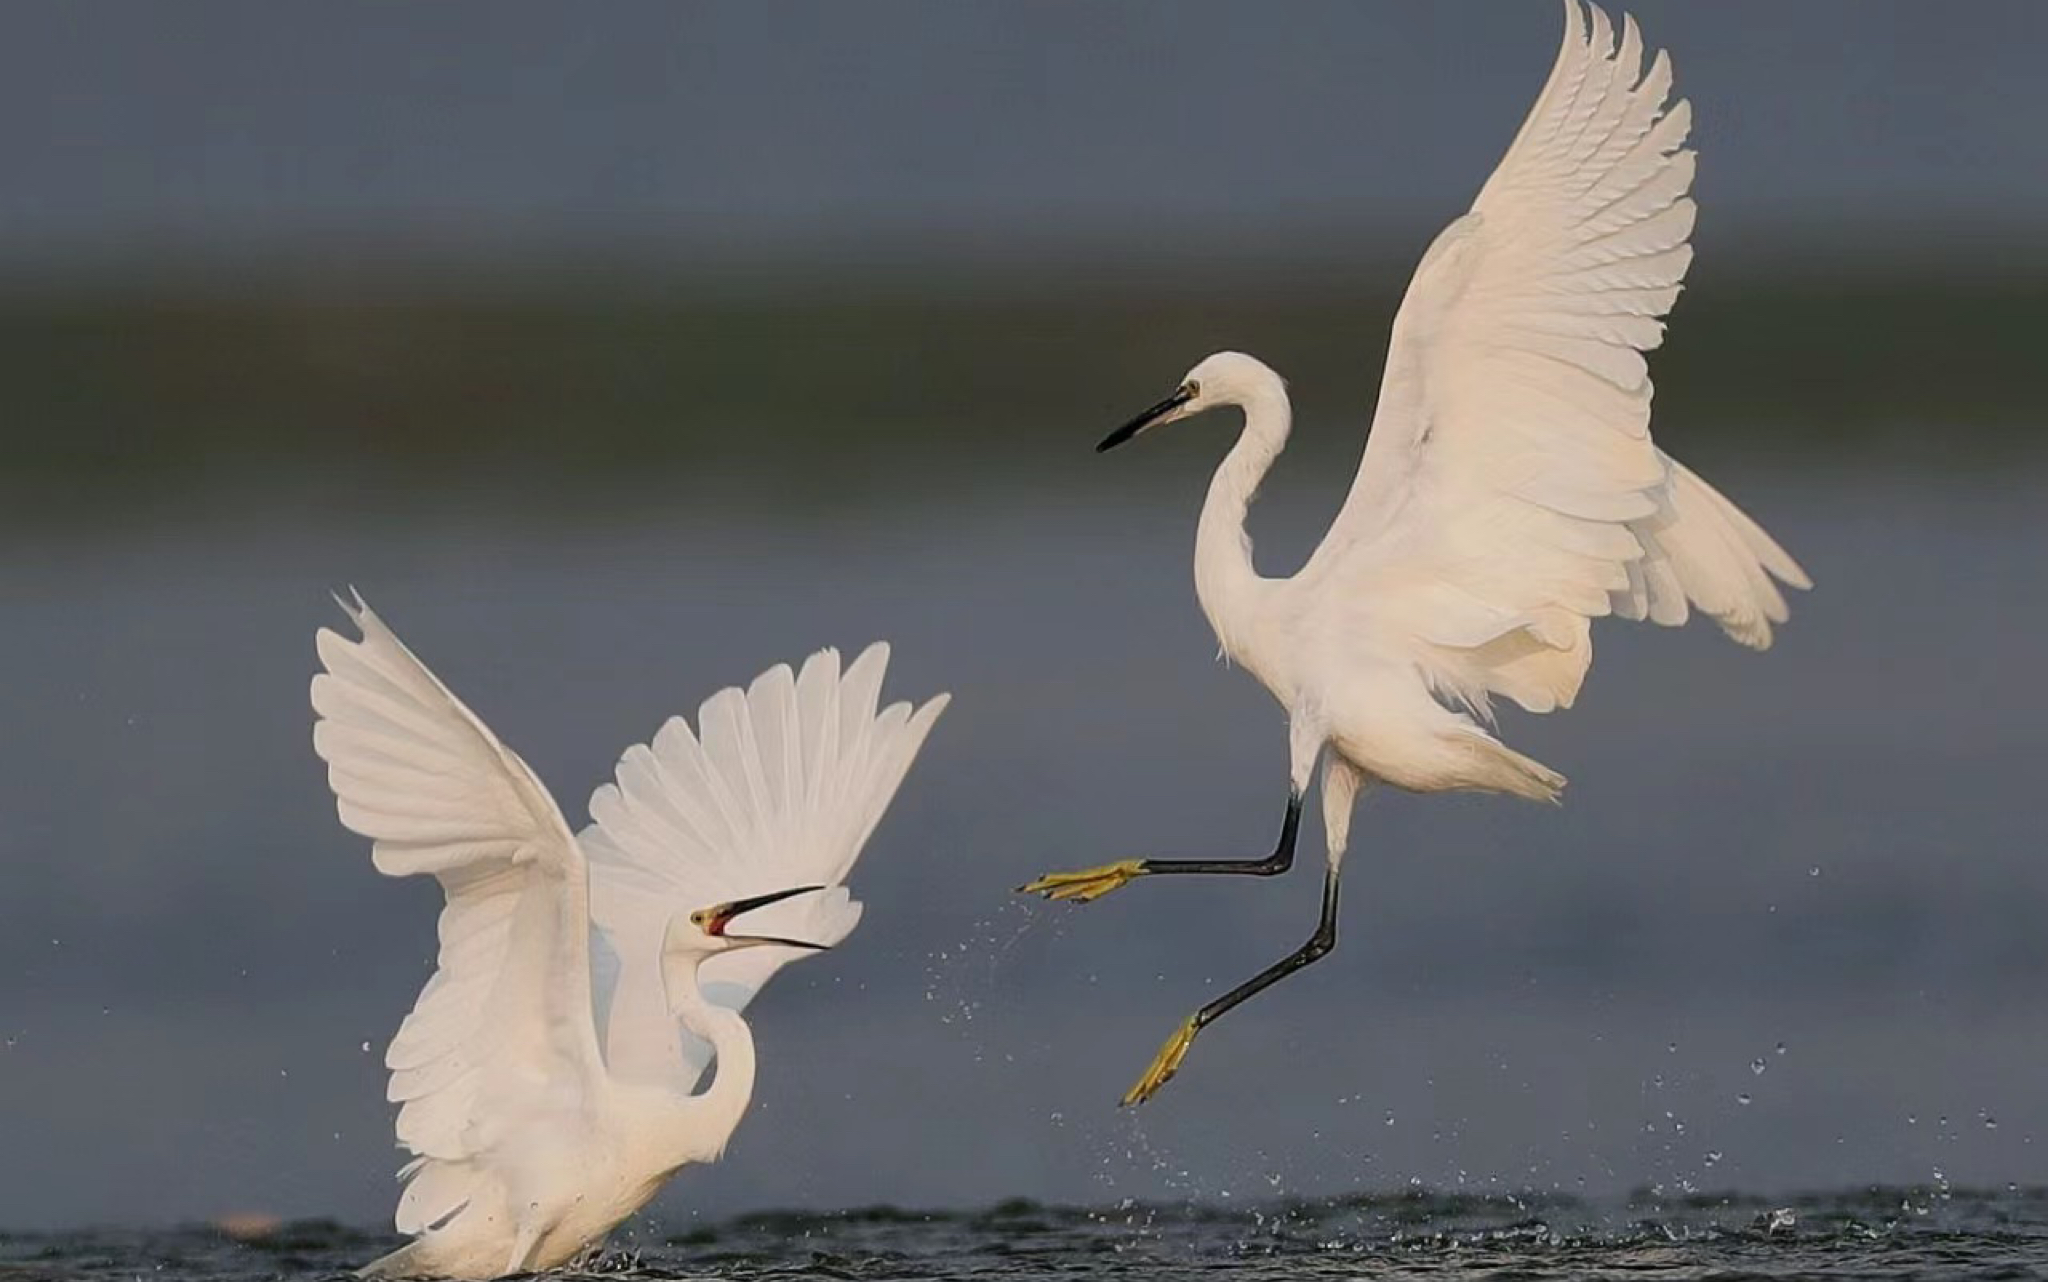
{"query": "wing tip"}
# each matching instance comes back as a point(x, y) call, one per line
point(1788, 571)
point(1574, 27)
point(824, 658)
point(353, 604)
point(779, 678)
point(876, 652)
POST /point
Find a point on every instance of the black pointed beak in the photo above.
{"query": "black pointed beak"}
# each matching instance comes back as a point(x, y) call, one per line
point(1130, 430)
point(713, 921)
point(777, 939)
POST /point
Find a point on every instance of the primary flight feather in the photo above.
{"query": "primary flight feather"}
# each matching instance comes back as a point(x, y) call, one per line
point(541, 1108)
point(1510, 492)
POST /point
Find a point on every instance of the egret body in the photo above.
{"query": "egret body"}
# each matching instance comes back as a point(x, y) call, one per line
point(1509, 492)
point(547, 1075)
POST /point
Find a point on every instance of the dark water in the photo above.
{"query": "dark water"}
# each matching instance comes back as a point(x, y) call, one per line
point(1887, 1233)
point(1786, 932)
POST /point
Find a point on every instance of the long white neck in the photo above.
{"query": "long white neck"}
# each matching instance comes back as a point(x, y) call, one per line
point(1225, 581)
point(705, 1121)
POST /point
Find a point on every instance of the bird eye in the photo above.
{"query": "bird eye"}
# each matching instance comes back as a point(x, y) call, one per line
point(1191, 389)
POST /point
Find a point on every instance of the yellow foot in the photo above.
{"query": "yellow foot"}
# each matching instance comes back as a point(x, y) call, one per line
point(1086, 884)
point(1165, 1064)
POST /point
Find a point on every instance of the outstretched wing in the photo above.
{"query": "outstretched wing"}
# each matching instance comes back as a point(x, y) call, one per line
point(503, 1028)
point(1510, 491)
point(779, 787)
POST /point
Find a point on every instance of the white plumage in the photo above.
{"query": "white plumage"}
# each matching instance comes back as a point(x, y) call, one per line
point(787, 780)
point(538, 1117)
point(1510, 492)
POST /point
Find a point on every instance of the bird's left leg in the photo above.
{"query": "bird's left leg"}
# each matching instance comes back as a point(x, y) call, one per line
point(1082, 885)
point(1093, 883)
point(524, 1244)
point(1340, 789)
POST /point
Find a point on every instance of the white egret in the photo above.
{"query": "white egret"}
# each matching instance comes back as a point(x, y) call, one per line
point(546, 1074)
point(1509, 492)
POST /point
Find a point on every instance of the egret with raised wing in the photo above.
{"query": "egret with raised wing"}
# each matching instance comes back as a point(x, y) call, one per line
point(1509, 493)
point(547, 1075)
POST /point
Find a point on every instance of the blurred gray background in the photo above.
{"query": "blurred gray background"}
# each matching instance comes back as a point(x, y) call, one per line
point(617, 353)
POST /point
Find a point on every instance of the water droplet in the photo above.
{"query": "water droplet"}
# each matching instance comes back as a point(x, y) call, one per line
point(1813, 871)
point(1743, 1099)
point(1713, 1156)
point(1671, 1049)
point(1912, 1119)
point(1390, 1117)
point(1757, 1066)
point(366, 1048)
point(1780, 1048)
point(1990, 1122)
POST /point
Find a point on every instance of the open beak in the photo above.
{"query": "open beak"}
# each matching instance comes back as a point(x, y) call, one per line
point(713, 920)
point(1160, 413)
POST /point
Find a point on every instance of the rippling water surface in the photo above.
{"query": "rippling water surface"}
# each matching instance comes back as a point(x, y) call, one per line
point(1880, 1233)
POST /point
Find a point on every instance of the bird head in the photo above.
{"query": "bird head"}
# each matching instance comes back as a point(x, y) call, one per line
point(1226, 378)
point(713, 922)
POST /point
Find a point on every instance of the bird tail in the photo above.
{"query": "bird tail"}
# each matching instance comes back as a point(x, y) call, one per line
point(1502, 769)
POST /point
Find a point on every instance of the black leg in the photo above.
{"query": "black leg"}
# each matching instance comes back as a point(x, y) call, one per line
point(1093, 883)
point(1167, 1062)
point(1319, 944)
point(1278, 862)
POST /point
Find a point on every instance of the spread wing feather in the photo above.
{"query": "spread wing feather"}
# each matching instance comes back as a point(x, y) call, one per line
point(779, 786)
point(1510, 491)
point(503, 1028)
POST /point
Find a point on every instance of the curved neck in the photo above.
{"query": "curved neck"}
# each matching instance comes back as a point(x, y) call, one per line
point(1225, 581)
point(706, 1120)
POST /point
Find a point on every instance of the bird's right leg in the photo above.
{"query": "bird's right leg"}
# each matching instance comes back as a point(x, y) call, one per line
point(1340, 789)
point(1093, 883)
point(1305, 744)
